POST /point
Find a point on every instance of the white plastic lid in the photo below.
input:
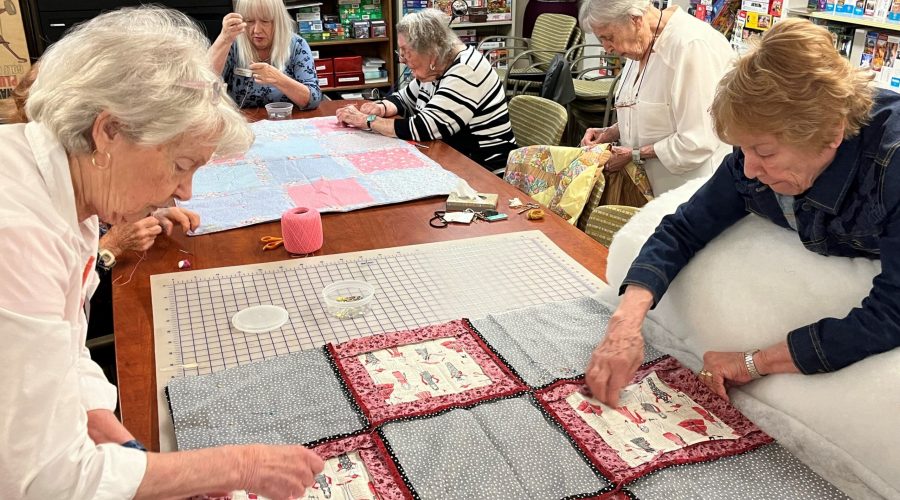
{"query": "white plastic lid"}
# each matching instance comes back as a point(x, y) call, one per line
point(260, 319)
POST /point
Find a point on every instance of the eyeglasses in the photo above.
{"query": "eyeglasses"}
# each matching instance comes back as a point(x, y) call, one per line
point(402, 56)
point(216, 88)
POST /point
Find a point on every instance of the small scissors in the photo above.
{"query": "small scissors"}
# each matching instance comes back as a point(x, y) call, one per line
point(271, 242)
point(528, 206)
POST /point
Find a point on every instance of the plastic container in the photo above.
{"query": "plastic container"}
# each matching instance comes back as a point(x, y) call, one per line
point(260, 319)
point(279, 110)
point(348, 299)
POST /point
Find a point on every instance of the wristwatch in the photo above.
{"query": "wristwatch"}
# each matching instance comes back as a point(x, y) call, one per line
point(106, 259)
point(636, 156)
point(369, 120)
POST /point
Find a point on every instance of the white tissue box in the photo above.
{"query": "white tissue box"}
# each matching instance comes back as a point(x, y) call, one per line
point(483, 201)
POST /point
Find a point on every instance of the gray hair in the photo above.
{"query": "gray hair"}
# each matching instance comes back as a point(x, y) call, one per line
point(428, 32)
point(282, 31)
point(596, 12)
point(149, 69)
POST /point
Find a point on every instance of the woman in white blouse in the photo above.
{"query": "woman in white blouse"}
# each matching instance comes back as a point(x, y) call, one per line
point(662, 100)
point(124, 111)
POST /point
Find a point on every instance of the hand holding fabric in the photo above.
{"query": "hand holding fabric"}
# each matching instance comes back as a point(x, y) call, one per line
point(594, 136)
point(620, 158)
point(279, 471)
point(372, 108)
point(351, 116)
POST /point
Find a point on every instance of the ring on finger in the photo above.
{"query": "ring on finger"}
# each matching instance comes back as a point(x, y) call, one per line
point(705, 373)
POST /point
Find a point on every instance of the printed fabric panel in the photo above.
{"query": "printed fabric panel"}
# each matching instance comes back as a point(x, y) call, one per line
point(292, 399)
point(666, 417)
point(425, 370)
point(560, 178)
point(546, 343)
point(502, 450)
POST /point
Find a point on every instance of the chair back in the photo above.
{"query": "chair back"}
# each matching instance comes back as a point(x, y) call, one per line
point(552, 32)
point(536, 120)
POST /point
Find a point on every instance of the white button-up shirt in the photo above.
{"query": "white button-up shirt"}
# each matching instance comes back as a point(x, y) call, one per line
point(49, 380)
point(668, 106)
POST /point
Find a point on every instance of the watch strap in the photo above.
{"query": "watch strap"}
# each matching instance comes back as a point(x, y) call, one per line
point(751, 365)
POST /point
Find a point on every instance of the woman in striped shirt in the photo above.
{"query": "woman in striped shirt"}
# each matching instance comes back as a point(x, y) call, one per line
point(456, 96)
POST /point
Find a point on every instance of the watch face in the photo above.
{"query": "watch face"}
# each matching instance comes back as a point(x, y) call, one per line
point(107, 259)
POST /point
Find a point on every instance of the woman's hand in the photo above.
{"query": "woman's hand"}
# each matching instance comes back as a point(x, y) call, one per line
point(618, 356)
point(351, 116)
point(373, 108)
point(279, 471)
point(594, 136)
point(725, 369)
point(266, 74)
point(138, 236)
point(168, 217)
point(232, 26)
point(621, 156)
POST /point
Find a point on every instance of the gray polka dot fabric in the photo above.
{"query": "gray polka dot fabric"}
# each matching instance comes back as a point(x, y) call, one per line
point(292, 399)
point(766, 472)
point(502, 450)
point(552, 341)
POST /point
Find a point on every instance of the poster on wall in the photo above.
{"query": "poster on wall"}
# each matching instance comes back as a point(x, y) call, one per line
point(14, 62)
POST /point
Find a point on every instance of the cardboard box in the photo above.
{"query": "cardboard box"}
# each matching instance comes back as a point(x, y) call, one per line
point(326, 80)
point(350, 64)
point(349, 79)
point(324, 65)
point(758, 6)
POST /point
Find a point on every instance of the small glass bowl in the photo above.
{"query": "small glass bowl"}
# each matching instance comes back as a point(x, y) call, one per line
point(348, 299)
point(279, 110)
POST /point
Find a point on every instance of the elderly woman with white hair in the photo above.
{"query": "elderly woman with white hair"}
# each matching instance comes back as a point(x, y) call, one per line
point(262, 59)
point(456, 95)
point(662, 99)
point(93, 151)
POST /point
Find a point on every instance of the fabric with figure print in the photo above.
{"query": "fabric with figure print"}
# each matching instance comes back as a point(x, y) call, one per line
point(249, 94)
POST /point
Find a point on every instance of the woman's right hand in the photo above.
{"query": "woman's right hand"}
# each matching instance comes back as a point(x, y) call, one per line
point(279, 471)
point(372, 108)
point(594, 136)
point(232, 26)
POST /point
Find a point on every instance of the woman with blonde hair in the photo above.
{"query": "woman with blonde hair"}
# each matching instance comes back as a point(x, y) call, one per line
point(817, 154)
point(262, 59)
point(92, 151)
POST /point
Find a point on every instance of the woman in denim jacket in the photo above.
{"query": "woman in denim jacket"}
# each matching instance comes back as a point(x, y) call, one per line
point(815, 152)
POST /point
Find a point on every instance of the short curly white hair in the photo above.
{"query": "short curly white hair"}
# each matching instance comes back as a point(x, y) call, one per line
point(599, 12)
point(427, 31)
point(147, 67)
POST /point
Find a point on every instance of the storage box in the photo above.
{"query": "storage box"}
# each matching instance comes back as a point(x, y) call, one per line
point(324, 65)
point(378, 29)
point(349, 64)
point(758, 6)
point(349, 79)
point(359, 29)
point(484, 201)
point(326, 80)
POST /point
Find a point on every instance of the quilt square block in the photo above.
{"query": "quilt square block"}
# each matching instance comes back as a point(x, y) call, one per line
point(292, 399)
point(387, 159)
point(506, 449)
point(665, 417)
point(424, 370)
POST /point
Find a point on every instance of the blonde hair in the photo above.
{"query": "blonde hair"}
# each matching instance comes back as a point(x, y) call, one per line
point(148, 68)
point(282, 31)
point(796, 86)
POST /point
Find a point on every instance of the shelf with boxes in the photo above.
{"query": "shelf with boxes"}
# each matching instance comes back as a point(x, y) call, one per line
point(351, 42)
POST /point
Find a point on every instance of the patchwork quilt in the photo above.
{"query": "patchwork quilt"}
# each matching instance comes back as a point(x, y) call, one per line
point(440, 412)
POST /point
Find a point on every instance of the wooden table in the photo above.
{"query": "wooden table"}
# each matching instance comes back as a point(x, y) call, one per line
point(376, 227)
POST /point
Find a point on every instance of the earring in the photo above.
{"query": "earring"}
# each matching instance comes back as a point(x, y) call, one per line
point(101, 167)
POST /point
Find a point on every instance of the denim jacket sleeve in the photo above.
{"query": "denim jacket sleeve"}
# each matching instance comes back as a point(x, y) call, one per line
point(714, 207)
point(830, 343)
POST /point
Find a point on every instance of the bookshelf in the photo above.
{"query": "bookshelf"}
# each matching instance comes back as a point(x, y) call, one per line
point(329, 48)
point(846, 19)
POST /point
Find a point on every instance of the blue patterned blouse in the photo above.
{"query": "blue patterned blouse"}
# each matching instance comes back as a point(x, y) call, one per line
point(249, 94)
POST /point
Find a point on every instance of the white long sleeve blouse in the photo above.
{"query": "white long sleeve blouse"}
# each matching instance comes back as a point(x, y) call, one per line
point(50, 382)
point(669, 103)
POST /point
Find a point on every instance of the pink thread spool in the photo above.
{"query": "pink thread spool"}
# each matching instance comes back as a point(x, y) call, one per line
point(301, 229)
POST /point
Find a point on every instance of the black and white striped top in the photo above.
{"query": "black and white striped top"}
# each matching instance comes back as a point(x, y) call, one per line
point(465, 107)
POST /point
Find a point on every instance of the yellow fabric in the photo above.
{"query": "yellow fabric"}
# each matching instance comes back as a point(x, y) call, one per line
point(560, 178)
